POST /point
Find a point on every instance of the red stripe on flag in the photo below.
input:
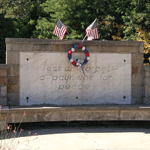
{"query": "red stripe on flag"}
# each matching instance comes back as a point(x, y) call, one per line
point(93, 33)
point(60, 32)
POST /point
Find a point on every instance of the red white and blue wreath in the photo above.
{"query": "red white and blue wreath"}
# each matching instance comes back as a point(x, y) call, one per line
point(77, 62)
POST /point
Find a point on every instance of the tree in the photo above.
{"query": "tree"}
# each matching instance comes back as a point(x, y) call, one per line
point(117, 20)
point(18, 20)
point(78, 14)
point(7, 29)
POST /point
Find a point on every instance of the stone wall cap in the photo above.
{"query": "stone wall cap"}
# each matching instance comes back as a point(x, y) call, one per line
point(53, 41)
point(101, 108)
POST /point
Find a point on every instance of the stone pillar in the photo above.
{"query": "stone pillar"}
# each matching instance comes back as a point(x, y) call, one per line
point(3, 84)
point(147, 85)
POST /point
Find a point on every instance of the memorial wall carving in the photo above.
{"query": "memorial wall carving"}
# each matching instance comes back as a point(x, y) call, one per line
point(49, 78)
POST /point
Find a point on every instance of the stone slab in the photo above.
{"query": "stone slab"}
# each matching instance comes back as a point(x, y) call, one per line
point(12, 57)
point(3, 101)
point(8, 47)
point(146, 69)
point(135, 115)
point(141, 47)
point(3, 66)
point(137, 100)
point(3, 72)
point(39, 47)
point(13, 98)
point(13, 79)
point(127, 49)
point(13, 87)
point(13, 70)
point(109, 49)
point(146, 100)
point(147, 81)
point(137, 68)
point(53, 41)
point(49, 78)
point(21, 47)
point(137, 79)
point(137, 58)
point(3, 80)
point(77, 113)
point(147, 73)
point(2, 115)
point(147, 91)
point(4, 91)
point(137, 91)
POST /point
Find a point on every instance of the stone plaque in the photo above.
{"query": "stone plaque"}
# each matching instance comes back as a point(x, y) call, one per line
point(49, 78)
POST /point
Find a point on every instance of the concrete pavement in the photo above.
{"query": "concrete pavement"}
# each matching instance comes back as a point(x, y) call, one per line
point(82, 136)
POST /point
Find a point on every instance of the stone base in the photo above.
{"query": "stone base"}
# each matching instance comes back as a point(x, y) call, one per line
point(79, 113)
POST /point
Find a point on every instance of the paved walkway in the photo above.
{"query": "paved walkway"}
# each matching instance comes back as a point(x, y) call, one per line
point(82, 136)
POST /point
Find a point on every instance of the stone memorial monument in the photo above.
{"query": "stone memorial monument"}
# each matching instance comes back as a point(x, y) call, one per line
point(39, 73)
point(42, 72)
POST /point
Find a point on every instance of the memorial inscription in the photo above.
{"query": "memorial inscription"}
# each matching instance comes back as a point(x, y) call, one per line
point(47, 80)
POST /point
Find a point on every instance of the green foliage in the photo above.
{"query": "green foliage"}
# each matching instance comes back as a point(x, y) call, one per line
point(136, 16)
point(18, 20)
point(7, 29)
point(78, 14)
point(28, 18)
point(117, 19)
point(43, 29)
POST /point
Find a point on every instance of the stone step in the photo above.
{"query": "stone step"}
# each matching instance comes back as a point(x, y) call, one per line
point(76, 113)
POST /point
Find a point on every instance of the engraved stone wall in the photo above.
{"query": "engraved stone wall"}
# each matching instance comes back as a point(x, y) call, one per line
point(14, 48)
point(49, 78)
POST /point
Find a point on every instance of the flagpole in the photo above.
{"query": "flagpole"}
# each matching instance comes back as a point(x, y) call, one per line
point(83, 39)
point(67, 30)
point(69, 34)
point(86, 34)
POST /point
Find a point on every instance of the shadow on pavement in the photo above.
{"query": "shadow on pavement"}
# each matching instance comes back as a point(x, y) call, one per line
point(43, 128)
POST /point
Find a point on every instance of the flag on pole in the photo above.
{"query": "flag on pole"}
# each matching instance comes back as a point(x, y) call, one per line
point(60, 29)
point(92, 31)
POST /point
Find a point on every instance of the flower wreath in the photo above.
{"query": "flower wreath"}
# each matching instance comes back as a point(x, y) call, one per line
point(77, 61)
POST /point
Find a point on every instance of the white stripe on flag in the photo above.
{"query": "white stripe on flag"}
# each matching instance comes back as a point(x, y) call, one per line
point(60, 32)
point(92, 33)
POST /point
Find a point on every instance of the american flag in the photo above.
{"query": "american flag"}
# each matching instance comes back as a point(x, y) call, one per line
point(60, 29)
point(92, 31)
